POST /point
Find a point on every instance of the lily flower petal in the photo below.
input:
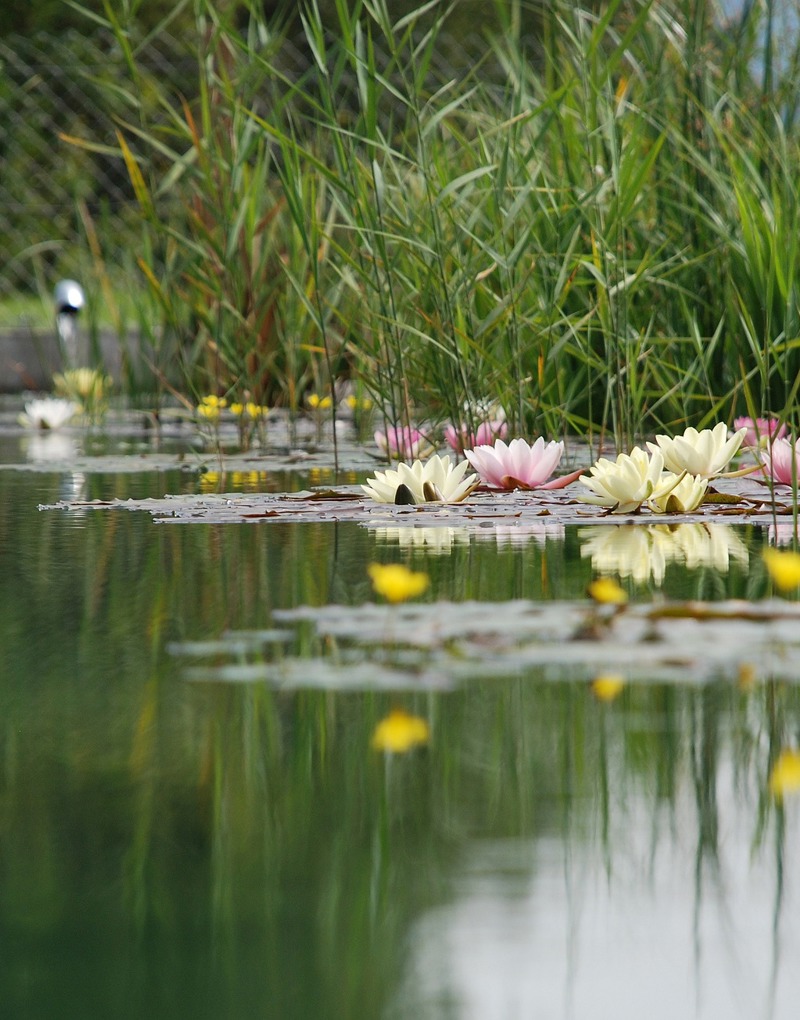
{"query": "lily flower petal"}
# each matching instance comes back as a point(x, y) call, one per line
point(516, 465)
point(436, 480)
point(706, 453)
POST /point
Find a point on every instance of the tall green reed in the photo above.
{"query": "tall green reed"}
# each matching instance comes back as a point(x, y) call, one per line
point(590, 223)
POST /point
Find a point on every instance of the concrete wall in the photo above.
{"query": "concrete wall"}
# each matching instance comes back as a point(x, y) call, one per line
point(29, 357)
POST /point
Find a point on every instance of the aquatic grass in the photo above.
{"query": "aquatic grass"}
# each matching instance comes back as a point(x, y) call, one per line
point(591, 224)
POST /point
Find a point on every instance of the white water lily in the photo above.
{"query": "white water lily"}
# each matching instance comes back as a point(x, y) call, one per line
point(624, 484)
point(437, 480)
point(705, 453)
point(678, 494)
point(47, 413)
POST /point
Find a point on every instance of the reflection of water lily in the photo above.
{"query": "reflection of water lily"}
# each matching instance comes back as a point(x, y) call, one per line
point(760, 431)
point(400, 732)
point(49, 446)
point(486, 434)
point(705, 453)
point(678, 494)
point(517, 465)
point(782, 461)
point(516, 534)
point(395, 582)
point(642, 552)
point(437, 480)
point(48, 413)
point(435, 540)
point(624, 484)
point(403, 442)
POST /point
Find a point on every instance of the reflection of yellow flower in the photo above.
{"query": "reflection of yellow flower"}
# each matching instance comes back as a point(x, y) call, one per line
point(607, 686)
point(785, 775)
point(396, 582)
point(783, 567)
point(210, 480)
point(400, 732)
point(607, 592)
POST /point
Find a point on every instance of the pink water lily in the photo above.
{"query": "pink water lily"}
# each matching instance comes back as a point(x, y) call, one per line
point(781, 461)
point(403, 442)
point(517, 465)
point(760, 431)
point(486, 434)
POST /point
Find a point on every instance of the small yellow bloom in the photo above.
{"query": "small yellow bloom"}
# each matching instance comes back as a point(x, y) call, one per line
point(396, 582)
point(606, 591)
point(607, 686)
point(400, 732)
point(783, 567)
point(785, 775)
point(318, 403)
point(237, 409)
point(210, 407)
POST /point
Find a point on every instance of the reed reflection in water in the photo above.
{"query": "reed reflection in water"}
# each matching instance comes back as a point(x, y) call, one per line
point(172, 849)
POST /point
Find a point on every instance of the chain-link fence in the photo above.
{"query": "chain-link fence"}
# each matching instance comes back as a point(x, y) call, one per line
point(64, 206)
point(57, 196)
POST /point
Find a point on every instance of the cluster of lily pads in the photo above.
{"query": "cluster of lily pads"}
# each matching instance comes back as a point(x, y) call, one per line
point(671, 475)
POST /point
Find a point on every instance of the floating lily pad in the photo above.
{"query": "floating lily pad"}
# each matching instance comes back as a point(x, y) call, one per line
point(745, 500)
point(446, 643)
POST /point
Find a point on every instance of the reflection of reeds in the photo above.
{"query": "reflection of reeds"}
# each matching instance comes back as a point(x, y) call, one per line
point(245, 833)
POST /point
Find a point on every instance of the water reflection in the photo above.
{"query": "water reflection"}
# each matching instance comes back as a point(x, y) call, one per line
point(444, 539)
point(434, 540)
point(217, 850)
point(49, 447)
point(642, 552)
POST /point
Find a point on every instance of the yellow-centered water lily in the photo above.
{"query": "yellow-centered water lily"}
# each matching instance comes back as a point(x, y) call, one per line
point(436, 480)
point(622, 485)
point(678, 494)
point(705, 454)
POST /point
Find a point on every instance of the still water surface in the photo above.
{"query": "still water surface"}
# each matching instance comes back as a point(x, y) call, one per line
point(173, 849)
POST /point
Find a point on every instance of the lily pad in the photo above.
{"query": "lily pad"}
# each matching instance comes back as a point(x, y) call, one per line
point(446, 643)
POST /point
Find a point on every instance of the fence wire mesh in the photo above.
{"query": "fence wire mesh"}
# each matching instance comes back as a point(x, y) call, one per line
point(63, 206)
point(56, 196)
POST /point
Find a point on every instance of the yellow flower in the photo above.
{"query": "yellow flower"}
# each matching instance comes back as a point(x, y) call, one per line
point(607, 686)
point(606, 591)
point(318, 403)
point(783, 568)
point(210, 407)
point(400, 732)
point(250, 409)
point(396, 582)
point(785, 775)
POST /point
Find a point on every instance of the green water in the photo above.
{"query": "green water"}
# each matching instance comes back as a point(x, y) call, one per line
point(175, 849)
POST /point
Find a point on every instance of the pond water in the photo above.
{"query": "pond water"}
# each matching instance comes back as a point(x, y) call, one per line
point(172, 844)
